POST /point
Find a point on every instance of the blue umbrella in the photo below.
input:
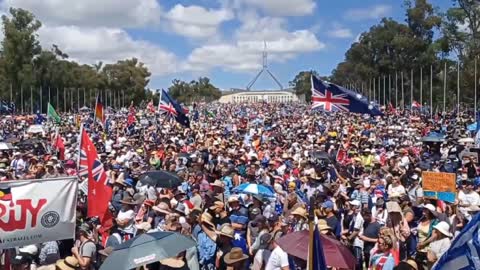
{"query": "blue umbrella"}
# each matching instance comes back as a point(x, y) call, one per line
point(255, 189)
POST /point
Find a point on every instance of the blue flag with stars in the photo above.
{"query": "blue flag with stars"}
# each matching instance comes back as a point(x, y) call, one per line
point(330, 97)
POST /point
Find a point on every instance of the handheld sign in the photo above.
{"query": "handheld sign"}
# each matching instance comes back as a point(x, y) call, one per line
point(439, 185)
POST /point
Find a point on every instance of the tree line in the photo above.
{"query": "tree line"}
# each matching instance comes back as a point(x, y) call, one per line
point(31, 76)
point(427, 47)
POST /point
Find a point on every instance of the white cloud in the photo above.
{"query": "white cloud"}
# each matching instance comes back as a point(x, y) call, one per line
point(368, 13)
point(244, 52)
point(90, 45)
point(277, 7)
point(108, 13)
point(196, 21)
point(340, 32)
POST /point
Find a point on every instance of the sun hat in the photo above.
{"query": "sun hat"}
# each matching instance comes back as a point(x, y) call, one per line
point(30, 249)
point(218, 183)
point(300, 211)
point(207, 218)
point(180, 208)
point(233, 198)
point(356, 203)
point(69, 263)
point(162, 207)
point(235, 255)
point(431, 208)
point(444, 228)
point(217, 205)
point(322, 225)
point(226, 230)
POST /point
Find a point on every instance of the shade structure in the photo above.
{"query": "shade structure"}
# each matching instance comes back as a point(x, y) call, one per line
point(255, 189)
point(145, 249)
point(161, 178)
point(336, 254)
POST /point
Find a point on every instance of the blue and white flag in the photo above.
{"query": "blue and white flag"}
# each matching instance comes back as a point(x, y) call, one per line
point(464, 252)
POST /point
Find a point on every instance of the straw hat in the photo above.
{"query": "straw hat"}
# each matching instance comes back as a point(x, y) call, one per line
point(235, 255)
point(444, 228)
point(162, 208)
point(300, 211)
point(226, 230)
point(69, 263)
point(218, 183)
point(323, 226)
point(207, 218)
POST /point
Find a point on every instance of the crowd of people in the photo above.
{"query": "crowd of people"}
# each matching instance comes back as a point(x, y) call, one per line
point(362, 176)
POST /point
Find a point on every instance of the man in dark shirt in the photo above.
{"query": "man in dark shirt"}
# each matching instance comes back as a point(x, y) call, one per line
point(370, 234)
point(332, 220)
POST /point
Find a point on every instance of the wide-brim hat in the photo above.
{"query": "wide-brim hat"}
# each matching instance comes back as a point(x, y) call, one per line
point(207, 218)
point(226, 230)
point(129, 200)
point(300, 211)
point(323, 226)
point(235, 255)
point(444, 228)
point(69, 263)
point(162, 208)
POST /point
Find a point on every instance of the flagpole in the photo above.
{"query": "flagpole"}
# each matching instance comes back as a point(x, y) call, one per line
point(389, 88)
point(379, 90)
point(421, 86)
point(41, 95)
point(411, 87)
point(374, 90)
point(431, 91)
point(403, 92)
point(31, 98)
point(396, 89)
point(84, 97)
point(78, 99)
point(21, 98)
point(11, 93)
point(71, 99)
point(444, 86)
point(49, 95)
point(95, 110)
point(57, 103)
point(475, 89)
point(458, 86)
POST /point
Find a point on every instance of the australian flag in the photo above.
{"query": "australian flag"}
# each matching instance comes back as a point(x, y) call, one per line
point(169, 106)
point(331, 97)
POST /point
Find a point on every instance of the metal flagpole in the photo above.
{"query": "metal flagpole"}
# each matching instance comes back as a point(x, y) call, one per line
point(431, 91)
point(57, 104)
point(71, 99)
point(444, 86)
point(21, 98)
point(421, 86)
point(389, 88)
point(64, 100)
point(31, 99)
point(475, 89)
point(84, 97)
point(384, 91)
point(379, 90)
point(49, 95)
point(403, 92)
point(11, 93)
point(41, 97)
point(369, 88)
point(458, 86)
point(374, 90)
point(78, 99)
point(411, 87)
point(396, 89)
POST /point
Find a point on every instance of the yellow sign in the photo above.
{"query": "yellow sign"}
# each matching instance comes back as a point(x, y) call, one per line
point(439, 181)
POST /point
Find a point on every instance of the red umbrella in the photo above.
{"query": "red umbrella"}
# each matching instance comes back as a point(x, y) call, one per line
point(336, 254)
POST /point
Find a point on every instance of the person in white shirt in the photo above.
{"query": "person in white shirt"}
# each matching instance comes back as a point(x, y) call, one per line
point(442, 242)
point(379, 213)
point(278, 259)
point(126, 216)
point(396, 189)
point(466, 198)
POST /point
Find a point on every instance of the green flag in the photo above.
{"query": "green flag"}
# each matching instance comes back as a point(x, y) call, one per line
point(53, 114)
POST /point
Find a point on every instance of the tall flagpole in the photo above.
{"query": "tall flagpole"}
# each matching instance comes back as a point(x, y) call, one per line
point(411, 87)
point(458, 86)
point(444, 86)
point(49, 95)
point(421, 86)
point(369, 89)
point(396, 89)
point(78, 99)
point(57, 104)
point(431, 91)
point(11, 93)
point(374, 90)
point(21, 98)
point(84, 97)
point(403, 92)
point(384, 91)
point(64, 100)
point(41, 97)
point(31, 98)
point(475, 89)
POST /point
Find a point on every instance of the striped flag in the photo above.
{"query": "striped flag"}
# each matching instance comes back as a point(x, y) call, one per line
point(100, 110)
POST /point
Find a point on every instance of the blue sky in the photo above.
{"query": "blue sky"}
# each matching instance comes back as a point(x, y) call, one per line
point(220, 39)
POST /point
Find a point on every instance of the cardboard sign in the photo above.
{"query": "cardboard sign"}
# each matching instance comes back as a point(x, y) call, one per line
point(439, 185)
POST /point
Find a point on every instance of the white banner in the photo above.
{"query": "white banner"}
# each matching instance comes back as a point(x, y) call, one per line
point(37, 211)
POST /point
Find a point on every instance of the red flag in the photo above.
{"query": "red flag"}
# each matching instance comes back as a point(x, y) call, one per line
point(131, 115)
point(60, 146)
point(342, 156)
point(90, 167)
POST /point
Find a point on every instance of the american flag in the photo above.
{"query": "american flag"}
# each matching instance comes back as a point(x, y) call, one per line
point(323, 98)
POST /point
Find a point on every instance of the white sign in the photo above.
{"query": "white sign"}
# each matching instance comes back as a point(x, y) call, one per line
point(35, 129)
point(37, 211)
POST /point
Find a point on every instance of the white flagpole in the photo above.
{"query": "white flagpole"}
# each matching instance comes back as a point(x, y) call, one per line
point(444, 86)
point(403, 92)
point(458, 86)
point(411, 87)
point(374, 90)
point(475, 89)
point(421, 86)
point(431, 91)
point(396, 89)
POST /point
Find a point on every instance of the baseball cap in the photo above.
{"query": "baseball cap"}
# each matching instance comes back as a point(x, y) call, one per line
point(355, 203)
point(327, 204)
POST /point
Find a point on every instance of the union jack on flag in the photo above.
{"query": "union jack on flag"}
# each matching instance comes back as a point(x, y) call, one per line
point(325, 99)
point(165, 106)
point(98, 172)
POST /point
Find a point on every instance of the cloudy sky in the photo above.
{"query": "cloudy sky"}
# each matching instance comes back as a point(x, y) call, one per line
point(221, 39)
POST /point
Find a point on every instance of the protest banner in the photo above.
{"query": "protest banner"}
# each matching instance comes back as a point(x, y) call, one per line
point(439, 185)
point(37, 211)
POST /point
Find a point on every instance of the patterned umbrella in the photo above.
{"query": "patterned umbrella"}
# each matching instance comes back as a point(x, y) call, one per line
point(255, 189)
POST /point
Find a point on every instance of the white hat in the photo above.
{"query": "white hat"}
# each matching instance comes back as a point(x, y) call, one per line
point(30, 249)
point(430, 207)
point(355, 203)
point(444, 228)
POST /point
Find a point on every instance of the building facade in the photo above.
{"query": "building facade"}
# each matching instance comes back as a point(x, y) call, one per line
point(275, 96)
